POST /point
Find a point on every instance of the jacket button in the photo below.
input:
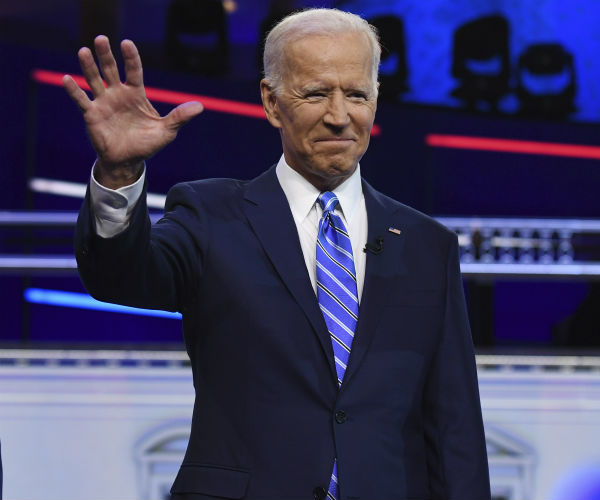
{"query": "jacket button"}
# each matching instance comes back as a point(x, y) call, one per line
point(340, 416)
point(319, 493)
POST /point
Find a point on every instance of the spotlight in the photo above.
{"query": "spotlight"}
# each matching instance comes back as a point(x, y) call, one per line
point(546, 81)
point(481, 62)
point(392, 68)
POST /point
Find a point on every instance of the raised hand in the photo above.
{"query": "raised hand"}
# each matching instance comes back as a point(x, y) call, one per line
point(123, 126)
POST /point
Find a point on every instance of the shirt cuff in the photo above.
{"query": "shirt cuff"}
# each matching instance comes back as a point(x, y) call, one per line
point(112, 208)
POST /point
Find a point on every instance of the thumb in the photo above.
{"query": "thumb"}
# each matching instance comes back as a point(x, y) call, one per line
point(182, 114)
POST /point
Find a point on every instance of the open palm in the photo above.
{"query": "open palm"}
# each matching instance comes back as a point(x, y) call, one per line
point(123, 126)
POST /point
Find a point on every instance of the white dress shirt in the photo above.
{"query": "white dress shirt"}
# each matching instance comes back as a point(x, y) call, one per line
point(302, 197)
point(113, 208)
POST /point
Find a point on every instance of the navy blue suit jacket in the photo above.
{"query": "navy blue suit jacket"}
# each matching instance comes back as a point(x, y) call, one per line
point(268, 418)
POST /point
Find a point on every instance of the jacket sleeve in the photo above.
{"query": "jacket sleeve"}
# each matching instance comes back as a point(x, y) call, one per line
point(155, 267)
point(456, 449)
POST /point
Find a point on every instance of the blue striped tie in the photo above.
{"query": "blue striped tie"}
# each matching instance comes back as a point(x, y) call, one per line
point(337, 292)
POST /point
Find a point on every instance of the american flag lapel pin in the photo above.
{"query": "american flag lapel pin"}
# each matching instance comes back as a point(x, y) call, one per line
point(394, 230)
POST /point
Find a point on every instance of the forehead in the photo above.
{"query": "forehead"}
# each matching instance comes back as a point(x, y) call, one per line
point(345, 55)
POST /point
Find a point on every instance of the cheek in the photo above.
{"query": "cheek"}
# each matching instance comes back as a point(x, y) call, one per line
point(363, 117)
point(367, 117)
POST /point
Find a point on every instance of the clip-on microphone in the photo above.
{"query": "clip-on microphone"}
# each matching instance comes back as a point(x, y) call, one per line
point(374, 249)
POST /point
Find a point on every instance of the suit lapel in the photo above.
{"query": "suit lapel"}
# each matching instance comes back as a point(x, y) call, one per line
point(269, 214)
point(379, 267)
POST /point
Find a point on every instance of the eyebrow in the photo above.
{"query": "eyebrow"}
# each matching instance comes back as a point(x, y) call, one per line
point(311, 87)
point(360, 88)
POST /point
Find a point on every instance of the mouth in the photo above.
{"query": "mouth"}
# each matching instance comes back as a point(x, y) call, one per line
point(339, 140)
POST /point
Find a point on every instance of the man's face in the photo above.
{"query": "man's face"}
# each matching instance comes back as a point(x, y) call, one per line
point(326, 106)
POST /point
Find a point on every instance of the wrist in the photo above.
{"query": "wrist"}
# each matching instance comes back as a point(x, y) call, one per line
point(117, 176)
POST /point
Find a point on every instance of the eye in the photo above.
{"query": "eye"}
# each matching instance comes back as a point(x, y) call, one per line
point(315, 94)
point(358, 95)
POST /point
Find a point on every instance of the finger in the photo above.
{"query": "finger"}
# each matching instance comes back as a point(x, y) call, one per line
point(108, 65)
point(183, 114)
point(133, 63)
point(90, 71)
point(79, 96)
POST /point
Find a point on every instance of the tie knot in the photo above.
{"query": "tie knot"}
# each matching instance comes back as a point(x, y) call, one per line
point(328, 201)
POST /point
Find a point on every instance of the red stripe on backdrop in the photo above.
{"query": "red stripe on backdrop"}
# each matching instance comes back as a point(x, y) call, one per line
point(512, 146)
point(175, 97)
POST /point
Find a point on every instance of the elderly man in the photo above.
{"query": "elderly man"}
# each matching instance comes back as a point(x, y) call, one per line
point(325, 322)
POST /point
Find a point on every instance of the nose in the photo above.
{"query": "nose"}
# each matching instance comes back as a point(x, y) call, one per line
point(336, 114)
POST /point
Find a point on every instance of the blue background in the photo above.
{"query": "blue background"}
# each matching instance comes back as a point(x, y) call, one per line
point(42, 130)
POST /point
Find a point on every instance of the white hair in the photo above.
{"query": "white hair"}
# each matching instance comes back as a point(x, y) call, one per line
point(323, 22)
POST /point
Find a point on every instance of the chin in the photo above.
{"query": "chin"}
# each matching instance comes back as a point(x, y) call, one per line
point(333, 175)
point(346, 168)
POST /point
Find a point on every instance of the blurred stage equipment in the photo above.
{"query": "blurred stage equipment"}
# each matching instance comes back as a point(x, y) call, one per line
point(515, 248)
point(481, 62)
point(196, 36)
point(277, 11)
point(393, 72)
point(530, 247)
point(546, 81)
point(489, 247)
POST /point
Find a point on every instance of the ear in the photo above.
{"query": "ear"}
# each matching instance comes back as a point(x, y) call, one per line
point(269, 100)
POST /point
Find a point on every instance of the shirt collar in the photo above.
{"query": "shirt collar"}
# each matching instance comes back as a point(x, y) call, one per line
point(301, 194)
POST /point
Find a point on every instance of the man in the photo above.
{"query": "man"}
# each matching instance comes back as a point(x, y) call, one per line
point(320, 369)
